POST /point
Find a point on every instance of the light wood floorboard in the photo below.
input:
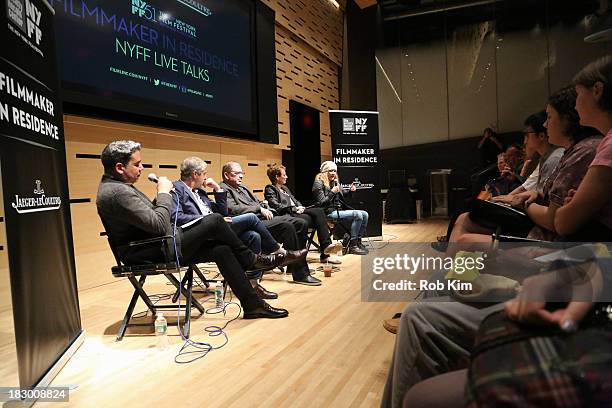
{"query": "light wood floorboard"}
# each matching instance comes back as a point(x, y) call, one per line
point(332, 350)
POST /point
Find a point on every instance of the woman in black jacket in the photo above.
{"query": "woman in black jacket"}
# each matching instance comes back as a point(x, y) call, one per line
point(281, 200)
point(328, 195)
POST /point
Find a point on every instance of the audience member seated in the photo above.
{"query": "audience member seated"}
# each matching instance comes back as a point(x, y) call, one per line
point(535, 139)
point(515, 156)
point(579, 142)
point(435, 337)
point(281, 200)
point(193, 204)
point(129, 215)
point(507, 180)
point(536, 142)
point(589, 209)
point(290, 231)
point(328, 195)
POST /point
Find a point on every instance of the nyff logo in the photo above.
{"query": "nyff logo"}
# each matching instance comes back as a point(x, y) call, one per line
point(15, 9)
point(360, 124)
point(33, 16)
point(354, 124)
point(139, 7)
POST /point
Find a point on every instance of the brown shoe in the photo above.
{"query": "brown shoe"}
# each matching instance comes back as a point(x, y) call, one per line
point(391, 325)
point(263, 293)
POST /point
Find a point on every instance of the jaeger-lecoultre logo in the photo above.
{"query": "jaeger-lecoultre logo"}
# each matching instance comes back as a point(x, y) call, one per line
point(40, 202)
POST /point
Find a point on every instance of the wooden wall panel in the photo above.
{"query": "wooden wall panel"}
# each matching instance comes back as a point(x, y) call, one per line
point(308, 59)
point(316, 22)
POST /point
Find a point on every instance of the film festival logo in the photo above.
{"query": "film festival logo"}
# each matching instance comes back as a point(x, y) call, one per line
point(39, 202)
point(356, 125)
point(26, 16)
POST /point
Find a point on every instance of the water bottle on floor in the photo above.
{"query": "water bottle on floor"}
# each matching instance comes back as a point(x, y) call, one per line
point(219, 295)
point(161, 331)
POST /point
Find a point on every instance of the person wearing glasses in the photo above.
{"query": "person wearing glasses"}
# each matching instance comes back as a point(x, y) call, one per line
point(290, 231)
point(328, 195)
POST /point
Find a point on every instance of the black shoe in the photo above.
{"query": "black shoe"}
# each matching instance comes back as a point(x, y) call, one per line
point(265, 312)
point(293, 256)
point(440, 246)
point(308, 280)
point(361, 246)
point(264, 293)
point(267, 262)
point(355, 250)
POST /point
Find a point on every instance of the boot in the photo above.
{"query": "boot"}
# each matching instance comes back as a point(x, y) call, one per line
point(354, 248)
point(363, 247)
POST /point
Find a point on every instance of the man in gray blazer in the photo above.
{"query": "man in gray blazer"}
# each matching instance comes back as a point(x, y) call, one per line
point(129, 215)
point(290, 231)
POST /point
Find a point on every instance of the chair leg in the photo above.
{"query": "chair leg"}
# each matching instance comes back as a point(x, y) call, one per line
point(177, 293)
point(201, 276)
point(130, 309)
point(310, 241)
point(138, 285)
point(187, 324)
point(178, 285)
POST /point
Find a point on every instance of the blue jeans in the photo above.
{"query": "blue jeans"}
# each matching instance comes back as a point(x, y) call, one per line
point(359, 221)
point(253, 233)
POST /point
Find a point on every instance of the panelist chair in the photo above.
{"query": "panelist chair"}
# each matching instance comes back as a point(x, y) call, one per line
point(138, 273)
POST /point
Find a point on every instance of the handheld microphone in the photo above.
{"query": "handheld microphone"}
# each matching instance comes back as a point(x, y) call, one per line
point(152, 177)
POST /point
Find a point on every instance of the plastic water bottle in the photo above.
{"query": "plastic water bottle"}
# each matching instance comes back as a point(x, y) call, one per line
point(161, 331)
point(219, 295)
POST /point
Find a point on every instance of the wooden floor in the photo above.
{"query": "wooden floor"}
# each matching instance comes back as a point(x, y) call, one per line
point(331, 351)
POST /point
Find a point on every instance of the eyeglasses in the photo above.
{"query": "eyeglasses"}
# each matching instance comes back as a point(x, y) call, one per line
point(237, 173)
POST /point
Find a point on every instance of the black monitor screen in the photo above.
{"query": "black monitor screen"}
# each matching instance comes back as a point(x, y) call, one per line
point(183, 60)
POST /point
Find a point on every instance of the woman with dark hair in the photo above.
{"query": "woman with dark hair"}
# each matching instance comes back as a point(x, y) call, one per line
point(590, 208)
point(281, 200)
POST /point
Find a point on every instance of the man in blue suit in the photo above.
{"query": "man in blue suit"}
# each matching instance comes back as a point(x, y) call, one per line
point(194, 205)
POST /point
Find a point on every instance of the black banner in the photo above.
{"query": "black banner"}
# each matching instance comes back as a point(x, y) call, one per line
point(354, 136)
point(32, 156)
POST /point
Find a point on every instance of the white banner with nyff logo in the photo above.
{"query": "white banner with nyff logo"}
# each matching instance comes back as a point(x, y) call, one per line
point(354, 136)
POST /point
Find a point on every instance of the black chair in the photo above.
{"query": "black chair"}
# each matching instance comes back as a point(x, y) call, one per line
point(138, 273)
point(310, 241)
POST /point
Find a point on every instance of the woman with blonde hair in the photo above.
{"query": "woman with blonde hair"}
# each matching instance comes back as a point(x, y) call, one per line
point(328, 195)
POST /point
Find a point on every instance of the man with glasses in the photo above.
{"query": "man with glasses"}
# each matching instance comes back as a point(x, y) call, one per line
point(290, 231)
point(536, 140)
point(193, 205)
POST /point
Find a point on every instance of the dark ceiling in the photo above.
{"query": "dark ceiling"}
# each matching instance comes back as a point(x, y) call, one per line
point(402, 9)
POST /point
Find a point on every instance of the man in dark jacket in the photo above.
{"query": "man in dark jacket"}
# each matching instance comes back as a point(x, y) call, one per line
point(290, 231)
point(193, 204)
point(129, 215)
